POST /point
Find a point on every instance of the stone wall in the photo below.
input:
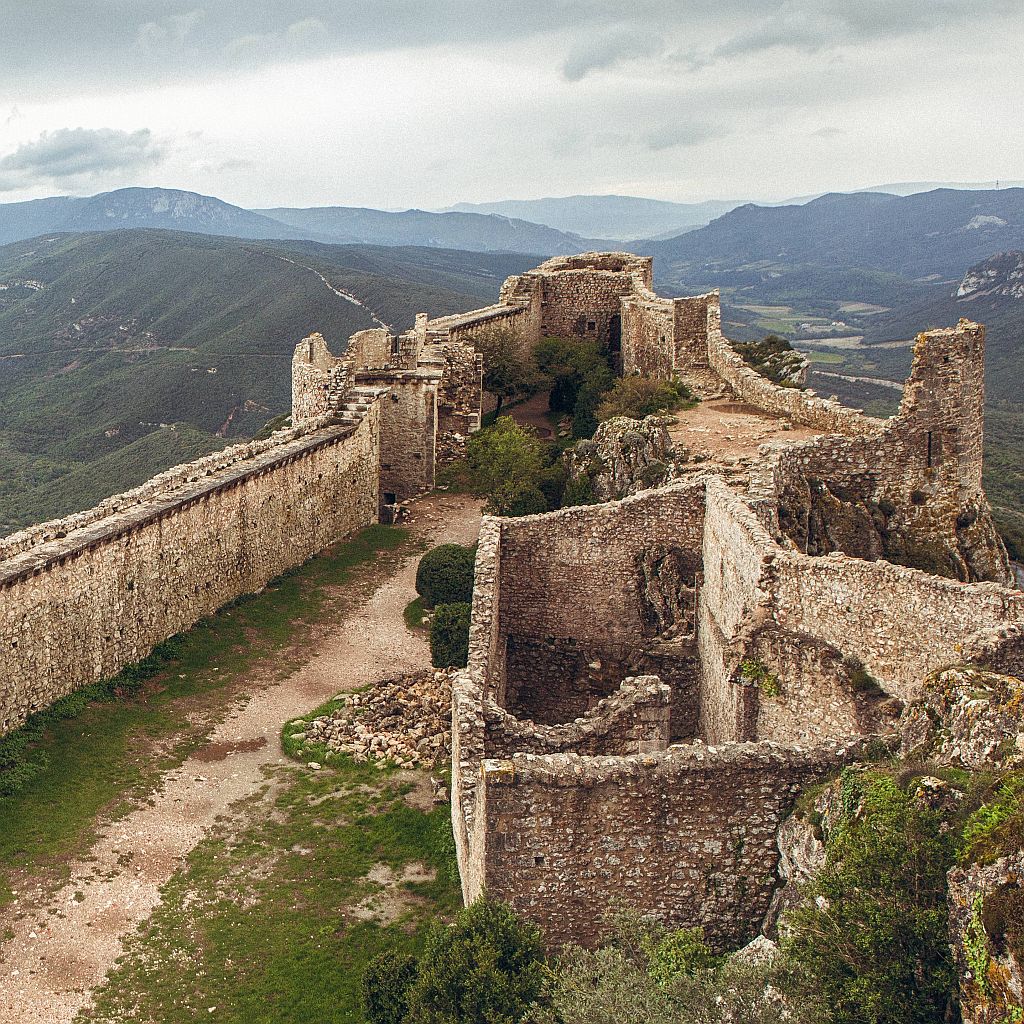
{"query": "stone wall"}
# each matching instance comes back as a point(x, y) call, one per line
point(78, 608)
point(597, 593)
point(687, 835)
point(911, 492)
point(901, 623)
point(319, 380)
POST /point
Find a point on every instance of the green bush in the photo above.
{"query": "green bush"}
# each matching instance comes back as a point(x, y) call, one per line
point(870, 944)
point(506, 463)
point(449, 635)
point(579, 374)
point(486, 968)
point(651, 975)
point(508, 371)
point(637, 397)
point(385, 987)
point(445, 575)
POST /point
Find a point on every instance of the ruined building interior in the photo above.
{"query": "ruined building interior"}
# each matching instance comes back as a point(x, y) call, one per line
point(652, 681)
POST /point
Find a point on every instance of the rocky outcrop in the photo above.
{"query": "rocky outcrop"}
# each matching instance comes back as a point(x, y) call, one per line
point(624, 456)
point(405, 720)
point(801, 842)
point(986, 922)
point(967, 717)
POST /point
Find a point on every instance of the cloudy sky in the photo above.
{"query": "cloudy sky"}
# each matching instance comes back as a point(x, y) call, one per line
point(398, 103)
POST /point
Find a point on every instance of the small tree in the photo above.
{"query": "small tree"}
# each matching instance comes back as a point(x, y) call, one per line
point(578, 374)
point(486, 968)
point(449, 635)
point(445, 575)
point(508, 372)
point(637, 397)
point(385, 987)
point(506, 463)
point(871, 943)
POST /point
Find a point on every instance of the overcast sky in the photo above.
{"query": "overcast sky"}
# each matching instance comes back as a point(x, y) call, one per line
point(397, 103)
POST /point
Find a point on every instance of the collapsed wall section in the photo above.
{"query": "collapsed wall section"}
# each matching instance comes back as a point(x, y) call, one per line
point(910, 492)
point(590, 595)
point(78, 608)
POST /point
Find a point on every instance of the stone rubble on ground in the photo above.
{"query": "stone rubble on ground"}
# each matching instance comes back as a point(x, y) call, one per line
point(406, 720)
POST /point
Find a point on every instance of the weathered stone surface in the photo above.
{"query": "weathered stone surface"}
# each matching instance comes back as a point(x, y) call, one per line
point(986, 921)
point(968, 717)
point(405, 720)
point(623, 457)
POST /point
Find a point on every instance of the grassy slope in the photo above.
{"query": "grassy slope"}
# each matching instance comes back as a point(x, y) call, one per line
point(135, 329)
point(99, 761)
point(259, 924)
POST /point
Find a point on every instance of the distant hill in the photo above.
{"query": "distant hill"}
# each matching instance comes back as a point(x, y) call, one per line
point(137, 208)
point(933, 235)
point(475, 232)
point(125, 352)
point(608, 217)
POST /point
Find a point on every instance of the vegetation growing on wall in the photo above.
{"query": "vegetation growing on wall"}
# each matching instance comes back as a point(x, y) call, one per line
point(774, 358)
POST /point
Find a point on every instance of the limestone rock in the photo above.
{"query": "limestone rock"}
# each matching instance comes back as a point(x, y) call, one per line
point(624, 456)
point(966, 717)
point(986, 920)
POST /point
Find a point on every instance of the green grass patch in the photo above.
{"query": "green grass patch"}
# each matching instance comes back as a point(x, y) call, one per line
point(91, 754)
point(415, 613)
point(274, 918)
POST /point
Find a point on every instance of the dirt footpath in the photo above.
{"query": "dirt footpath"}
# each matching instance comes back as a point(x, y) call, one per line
point(64, 942)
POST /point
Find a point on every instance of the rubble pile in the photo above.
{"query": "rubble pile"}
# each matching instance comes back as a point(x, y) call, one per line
point(405, 720)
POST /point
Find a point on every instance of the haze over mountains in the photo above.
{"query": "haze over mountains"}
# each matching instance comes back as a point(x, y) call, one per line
point(127, 312)
point(187, 211)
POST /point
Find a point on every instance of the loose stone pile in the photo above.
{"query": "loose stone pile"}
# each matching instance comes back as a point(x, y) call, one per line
point(405, 720)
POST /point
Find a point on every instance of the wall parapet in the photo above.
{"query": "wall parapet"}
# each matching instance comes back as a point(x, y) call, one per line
point(161, 486)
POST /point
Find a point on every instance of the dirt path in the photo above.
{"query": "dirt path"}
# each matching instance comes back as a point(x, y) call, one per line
point(64, 942)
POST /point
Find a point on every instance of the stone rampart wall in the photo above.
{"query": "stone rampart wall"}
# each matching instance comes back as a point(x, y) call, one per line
point(801, 407)
point(733, 602)
point(687, 835)
point(901, 623)
point(648, 327)
point(103, 592)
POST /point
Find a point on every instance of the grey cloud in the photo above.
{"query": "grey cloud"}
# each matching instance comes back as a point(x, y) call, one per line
point(607, 52)
point(811, 26)
point(54, 46)
point(72, 155)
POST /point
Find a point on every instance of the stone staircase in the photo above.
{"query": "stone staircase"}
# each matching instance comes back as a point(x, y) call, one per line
point(357, 400)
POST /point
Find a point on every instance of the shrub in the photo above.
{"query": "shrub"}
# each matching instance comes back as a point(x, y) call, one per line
point(445, 575)
point(385, 986)
point(637, 397)
point(505, 462)
point(870, 945)
point(508, 371)
point(487, 968)
point(651, 975)
point(449, 636)
point(578, 374)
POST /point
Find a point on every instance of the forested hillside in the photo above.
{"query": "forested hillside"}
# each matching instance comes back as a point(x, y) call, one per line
point(123, 353)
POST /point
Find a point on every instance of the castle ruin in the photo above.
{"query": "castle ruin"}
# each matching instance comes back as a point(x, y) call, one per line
point(652, 681)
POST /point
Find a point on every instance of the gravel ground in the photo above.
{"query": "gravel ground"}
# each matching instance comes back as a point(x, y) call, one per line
point(65, 941)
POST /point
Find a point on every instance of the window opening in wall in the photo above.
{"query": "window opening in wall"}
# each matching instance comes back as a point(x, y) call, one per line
point(929, 449)
point(591, 325)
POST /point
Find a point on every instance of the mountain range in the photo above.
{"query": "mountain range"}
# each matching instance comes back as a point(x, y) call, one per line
point(175, 210)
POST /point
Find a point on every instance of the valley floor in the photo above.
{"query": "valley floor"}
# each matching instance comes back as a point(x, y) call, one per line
point(198, 862)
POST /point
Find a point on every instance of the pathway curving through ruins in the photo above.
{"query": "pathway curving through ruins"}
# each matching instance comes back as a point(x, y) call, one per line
point(64, 942)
